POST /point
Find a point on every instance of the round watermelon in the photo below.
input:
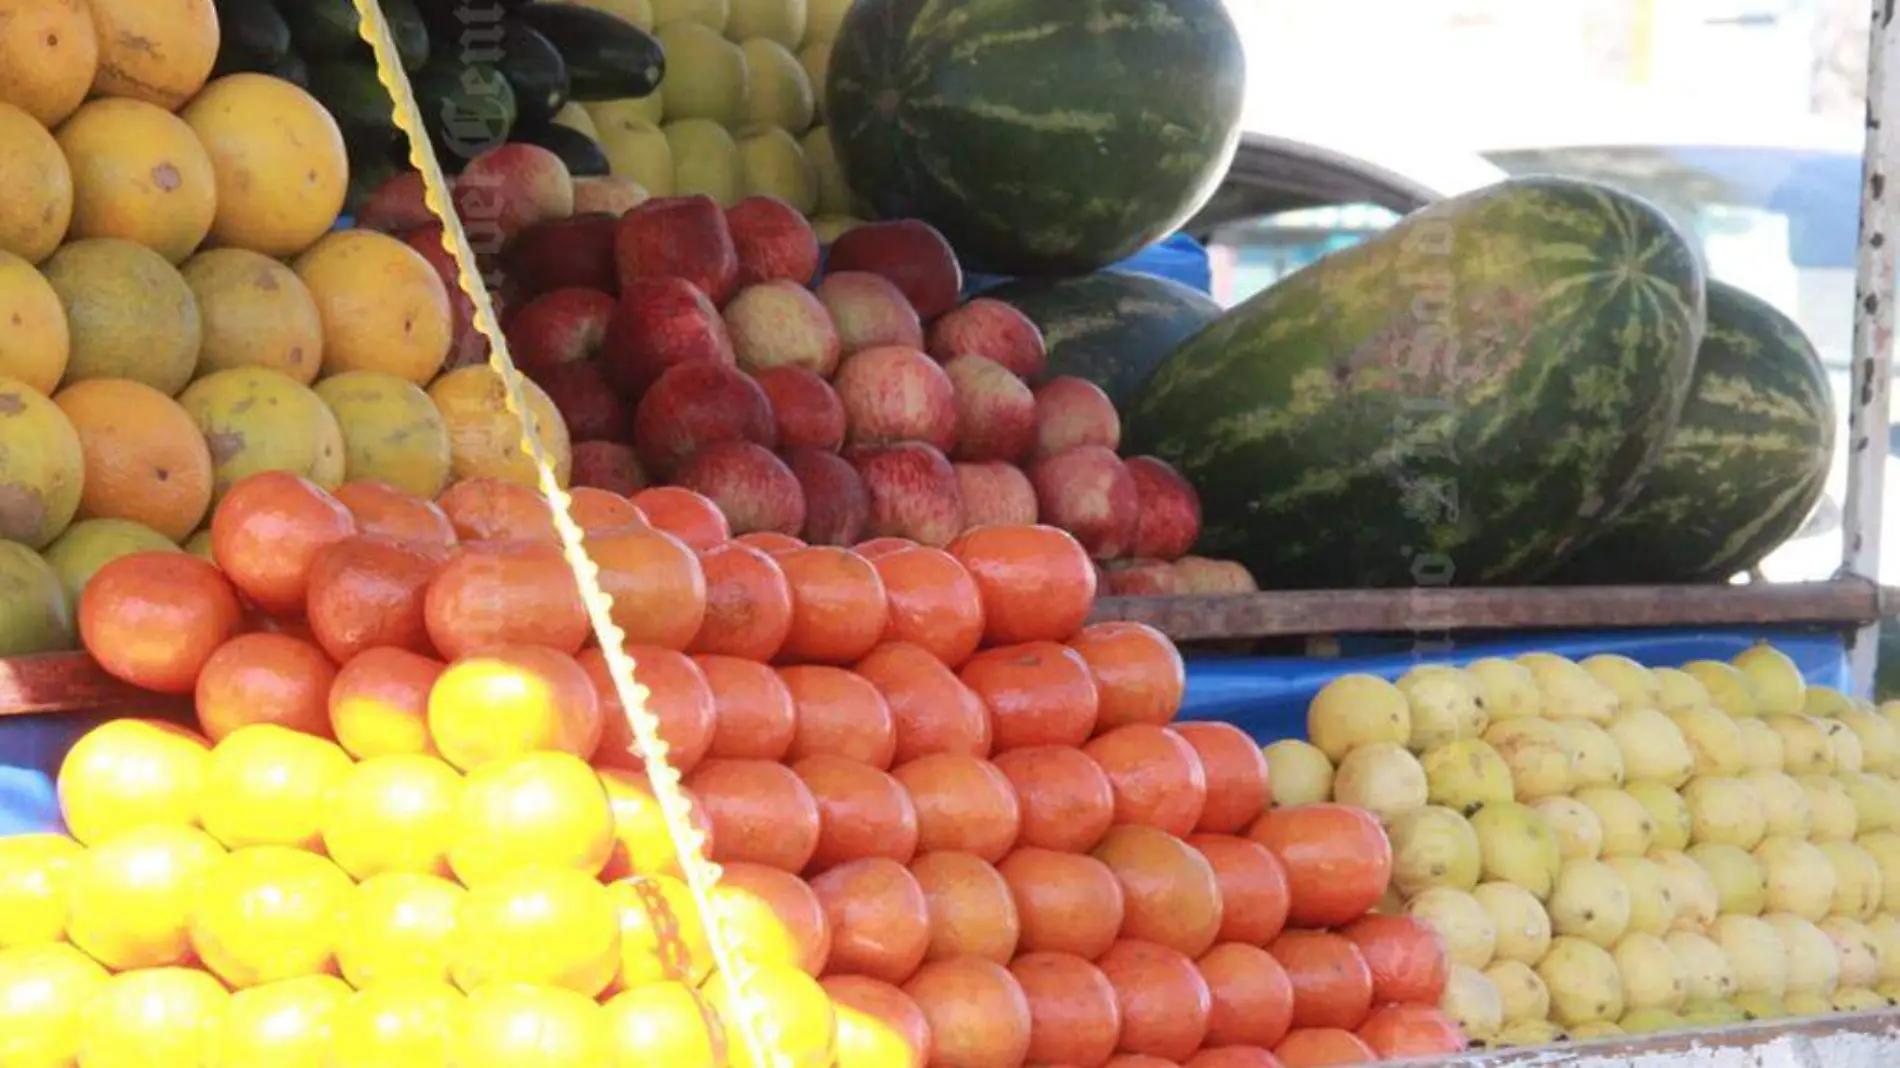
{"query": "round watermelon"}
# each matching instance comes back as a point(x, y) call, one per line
point(1459, 400)
point(1112, 327)
point(1744, 466)
point(1043, 137)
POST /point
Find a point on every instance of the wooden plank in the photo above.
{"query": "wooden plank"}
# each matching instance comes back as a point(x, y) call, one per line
point(1865, 1040)
point(1845, 602)
point(66, 682)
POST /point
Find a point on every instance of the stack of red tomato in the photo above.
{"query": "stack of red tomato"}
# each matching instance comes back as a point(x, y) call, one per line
point(957, 824)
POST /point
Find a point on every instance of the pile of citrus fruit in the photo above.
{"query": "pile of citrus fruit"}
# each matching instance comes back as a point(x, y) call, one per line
point(955, 824)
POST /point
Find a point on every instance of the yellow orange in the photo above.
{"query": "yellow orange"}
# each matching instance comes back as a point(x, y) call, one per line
point(35, 870)
point(545, 809)
point(145, 459)
point(37, 343)
point(140, 174)
point(152, 1017)
point(393, 814)
point(267, 914)
point(36, 186)
point(513, 1025)
point(384, 308)
point(132, 897)
point(43, 990)
point(391, 431)
point(256, 313)
point(546, 926)
point(159, 51)
point(256, 419)
point(398, 927)
point(128, 773)
point(284, 1024)
point(49, 55)
point(404, 1023)
point(269, 785)
point(485, 439)
point(279, 157)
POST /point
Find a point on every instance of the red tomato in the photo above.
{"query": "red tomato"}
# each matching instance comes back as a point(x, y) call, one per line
point(1332, 987)
point(1406, 956)
point(1337, 861)
point(1233, 1057)
point(1323, 1047)
point(1398, 1032)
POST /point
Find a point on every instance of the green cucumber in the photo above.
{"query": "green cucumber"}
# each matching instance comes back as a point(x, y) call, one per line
point(354, 96)
point(328, 29)
point(583, 156)
point(608, 58)
point(468, 108)
point(535, 71)
point(252, 36)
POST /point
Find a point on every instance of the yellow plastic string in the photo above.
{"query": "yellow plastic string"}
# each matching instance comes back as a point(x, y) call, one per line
point(701, 874)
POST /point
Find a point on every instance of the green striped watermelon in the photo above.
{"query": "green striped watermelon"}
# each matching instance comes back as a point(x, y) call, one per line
point(1043, 137)
point(1112, 327)
point(1461, 399)
point(1744, 467)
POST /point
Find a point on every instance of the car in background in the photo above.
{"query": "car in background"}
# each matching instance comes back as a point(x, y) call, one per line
point(1774, 208)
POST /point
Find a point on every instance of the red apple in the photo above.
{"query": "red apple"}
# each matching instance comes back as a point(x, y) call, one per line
point(807, 410)
point(869, 311)
point(1141, 578)
point(1071, 412)
point(780, 324)
point(837, 506)
point(589, 406)
point(996, 495)
point(754, 488)
point(989, 327)
point(773, 240)
point(395, 206)
point(614, 194)
point(695, 405)
point(894, 394)
point(557, 328)
point(1199, 574)
point(608, 465)
point(1170, 518)
point(1088, 492)
point(996, 412)
point(506, 190)
point(912, 254)
point(679, 237)
point(659, 324)
point(562, 253)
point(468, 346)
point(913, 491)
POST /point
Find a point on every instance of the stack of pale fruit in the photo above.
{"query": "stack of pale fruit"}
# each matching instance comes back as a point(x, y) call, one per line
point(1611, 849)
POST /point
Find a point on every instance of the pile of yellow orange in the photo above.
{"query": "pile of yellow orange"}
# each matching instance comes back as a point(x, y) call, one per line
point(170, 293)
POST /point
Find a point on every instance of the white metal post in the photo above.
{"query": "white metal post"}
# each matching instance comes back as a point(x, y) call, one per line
point(1874, 295)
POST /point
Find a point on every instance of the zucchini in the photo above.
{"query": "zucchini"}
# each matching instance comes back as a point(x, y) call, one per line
point(583, 156)
point(608, 58)
point(328, 29)
point(252, 36)
point(535, 71)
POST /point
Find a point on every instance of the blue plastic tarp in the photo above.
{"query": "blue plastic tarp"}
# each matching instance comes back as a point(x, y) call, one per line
point(1265, 696)
point(1179, 258)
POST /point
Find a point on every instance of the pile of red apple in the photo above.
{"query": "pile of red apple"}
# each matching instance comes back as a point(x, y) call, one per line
point(691, 345)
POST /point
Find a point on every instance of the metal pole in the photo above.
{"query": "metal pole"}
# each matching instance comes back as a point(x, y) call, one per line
point(1874, 295)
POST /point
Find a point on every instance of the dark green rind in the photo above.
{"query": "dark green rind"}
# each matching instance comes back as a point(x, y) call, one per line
point(1112, 327)
point(1043, 137)
point(1460, 400)
point(1744, 467)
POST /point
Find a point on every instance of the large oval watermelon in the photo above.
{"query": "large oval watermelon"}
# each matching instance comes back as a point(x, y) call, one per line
point(1746, 463)
point(1112, 327)
point(1459, 400)
point(1043, 137)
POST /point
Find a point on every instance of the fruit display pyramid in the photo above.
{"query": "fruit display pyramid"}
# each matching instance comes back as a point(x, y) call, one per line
point(404, 822)
point(1612, 849)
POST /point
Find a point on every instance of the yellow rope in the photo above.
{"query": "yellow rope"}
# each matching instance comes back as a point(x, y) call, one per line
point(701, 874)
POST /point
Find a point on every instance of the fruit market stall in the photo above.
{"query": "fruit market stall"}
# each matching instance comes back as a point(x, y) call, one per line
point(656, 531)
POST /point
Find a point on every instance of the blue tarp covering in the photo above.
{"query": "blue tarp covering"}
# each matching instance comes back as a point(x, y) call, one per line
point(1266, 696)
point(1179, 258)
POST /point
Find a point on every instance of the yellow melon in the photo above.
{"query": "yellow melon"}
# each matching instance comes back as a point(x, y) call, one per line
point(130, 312)
point(384, 308)
point(159, 51)
point(49, 55)
point(34, 615)
point(34, 342)
point(138, 173)
point(256, 419)
point(282, 169)
point(391, 431)
point(485, 437)
point(36, 187)
point(257, 313)
point(145, 458)
point(41, 467)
